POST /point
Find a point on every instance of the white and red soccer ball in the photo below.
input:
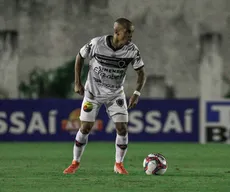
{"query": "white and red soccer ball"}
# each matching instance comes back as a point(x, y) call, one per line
point(155, 164)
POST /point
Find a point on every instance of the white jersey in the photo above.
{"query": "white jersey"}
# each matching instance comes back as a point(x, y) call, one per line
point(107, 66)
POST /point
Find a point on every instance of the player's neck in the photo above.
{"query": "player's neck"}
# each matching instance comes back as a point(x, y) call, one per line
point(116, 44)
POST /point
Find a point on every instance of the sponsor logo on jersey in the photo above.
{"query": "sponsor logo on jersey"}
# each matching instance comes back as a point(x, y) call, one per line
point(87, 106)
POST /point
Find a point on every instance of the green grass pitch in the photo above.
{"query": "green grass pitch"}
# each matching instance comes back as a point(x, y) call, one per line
point(36, 167)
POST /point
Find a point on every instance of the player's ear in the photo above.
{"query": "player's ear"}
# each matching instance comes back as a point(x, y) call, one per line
point(132, 28)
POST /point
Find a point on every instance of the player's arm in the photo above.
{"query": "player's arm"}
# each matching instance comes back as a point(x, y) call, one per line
point(138, 65)
point(79, 62)
point(141, 79)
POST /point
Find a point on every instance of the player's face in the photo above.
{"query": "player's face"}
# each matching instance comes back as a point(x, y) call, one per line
point(122, 34)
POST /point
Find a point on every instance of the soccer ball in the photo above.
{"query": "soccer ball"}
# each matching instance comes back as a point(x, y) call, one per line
point(155, 164)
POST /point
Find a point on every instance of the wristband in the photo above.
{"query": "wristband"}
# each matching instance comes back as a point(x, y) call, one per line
point(137, 93)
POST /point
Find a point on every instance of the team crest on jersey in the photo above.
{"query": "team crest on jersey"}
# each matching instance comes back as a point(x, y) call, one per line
point(121, 63)
point(120, 102)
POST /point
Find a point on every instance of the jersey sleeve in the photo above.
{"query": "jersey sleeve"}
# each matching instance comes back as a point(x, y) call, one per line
point(137, 61)
point(87, 50)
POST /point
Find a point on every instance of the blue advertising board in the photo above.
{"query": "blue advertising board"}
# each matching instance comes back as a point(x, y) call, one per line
point(215, 121)
point(58, 120)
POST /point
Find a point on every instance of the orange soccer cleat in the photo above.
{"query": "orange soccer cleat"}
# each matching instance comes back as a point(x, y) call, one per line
point(119, 168)
point(72, 168)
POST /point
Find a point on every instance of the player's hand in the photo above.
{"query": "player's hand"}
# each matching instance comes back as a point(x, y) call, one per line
point(133, 101)
point(78, 88)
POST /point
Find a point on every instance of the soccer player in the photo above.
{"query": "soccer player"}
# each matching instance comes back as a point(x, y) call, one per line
point(109, 59)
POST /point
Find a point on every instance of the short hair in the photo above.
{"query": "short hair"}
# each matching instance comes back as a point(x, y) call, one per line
point(124, 22)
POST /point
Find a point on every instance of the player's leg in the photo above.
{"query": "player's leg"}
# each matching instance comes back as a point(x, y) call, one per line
point(121, 141)
point(121, 146)
point(88, 115)
point(81, 140)
point(117, 109)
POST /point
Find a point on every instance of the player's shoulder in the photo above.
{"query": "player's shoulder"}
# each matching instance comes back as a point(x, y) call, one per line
point(98, 39)
point(132, 47)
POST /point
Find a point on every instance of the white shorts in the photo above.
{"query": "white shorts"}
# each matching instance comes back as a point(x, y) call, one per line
point(116, 108)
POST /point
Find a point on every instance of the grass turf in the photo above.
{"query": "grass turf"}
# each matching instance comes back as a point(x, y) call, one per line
point(36, 167)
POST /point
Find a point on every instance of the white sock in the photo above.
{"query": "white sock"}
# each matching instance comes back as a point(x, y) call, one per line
point(81, 141)
point(121, 147)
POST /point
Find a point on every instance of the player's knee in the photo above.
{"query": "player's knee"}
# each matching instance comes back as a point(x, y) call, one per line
point(122, 128)
point(86, 127)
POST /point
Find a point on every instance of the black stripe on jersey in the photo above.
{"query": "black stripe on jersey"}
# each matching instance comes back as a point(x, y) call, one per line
point(139, 68)
point(81, 55)
point(131, 47)
point(106, 57)
point(113, 62)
